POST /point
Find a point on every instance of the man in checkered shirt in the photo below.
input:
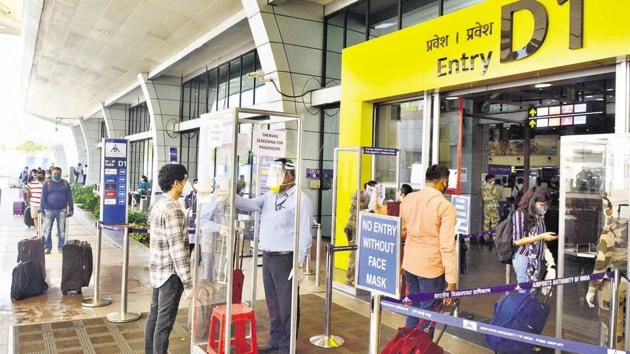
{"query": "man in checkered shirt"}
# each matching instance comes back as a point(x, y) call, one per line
point(169, 259)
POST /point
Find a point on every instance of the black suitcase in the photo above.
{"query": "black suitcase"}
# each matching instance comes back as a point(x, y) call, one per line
point(28, 219)
point(27, 281)
point(32, 250)
point(76, 267)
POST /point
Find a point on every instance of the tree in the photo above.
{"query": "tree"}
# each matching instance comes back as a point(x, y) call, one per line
point(31, 147)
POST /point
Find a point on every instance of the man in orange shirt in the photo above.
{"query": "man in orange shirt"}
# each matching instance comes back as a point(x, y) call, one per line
point(428, 223)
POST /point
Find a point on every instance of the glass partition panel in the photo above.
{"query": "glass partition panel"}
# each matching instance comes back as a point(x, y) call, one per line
point(593, 171)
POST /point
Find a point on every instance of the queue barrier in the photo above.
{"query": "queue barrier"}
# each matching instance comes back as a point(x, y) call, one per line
point(507, 333)
point(496, 289)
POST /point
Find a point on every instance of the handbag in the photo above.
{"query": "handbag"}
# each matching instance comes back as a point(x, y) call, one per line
point(413, 340)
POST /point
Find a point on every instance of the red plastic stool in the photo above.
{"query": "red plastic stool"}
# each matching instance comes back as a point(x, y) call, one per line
point(241, 314)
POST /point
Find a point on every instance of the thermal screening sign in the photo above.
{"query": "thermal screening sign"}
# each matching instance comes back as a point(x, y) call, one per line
point(269, 143)
point(378, 260)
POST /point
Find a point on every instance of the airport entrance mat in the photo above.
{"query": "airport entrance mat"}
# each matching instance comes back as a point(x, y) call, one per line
point(96, 335)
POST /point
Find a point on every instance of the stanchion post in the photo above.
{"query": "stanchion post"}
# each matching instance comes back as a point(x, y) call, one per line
point(318, 249)
point(614, 298)
point(327, 340)
point(97, 300)
point(123, 316)
point(375, 324)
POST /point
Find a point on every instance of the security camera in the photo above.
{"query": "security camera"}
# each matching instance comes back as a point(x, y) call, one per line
point(256, 74)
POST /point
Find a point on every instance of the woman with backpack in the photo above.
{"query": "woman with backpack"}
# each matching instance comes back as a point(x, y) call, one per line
point(529, 234)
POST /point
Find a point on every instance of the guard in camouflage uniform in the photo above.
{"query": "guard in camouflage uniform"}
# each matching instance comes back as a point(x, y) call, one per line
point(612, 253)
point(491, 195)
point(351, 226)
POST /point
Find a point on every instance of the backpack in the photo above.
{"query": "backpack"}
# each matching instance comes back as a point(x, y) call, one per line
point(504, 241)
point(519, 196)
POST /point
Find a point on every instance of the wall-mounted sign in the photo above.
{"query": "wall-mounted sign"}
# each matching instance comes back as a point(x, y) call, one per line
point(172, 154)
point(565, 115)
point(114, 182)
point(269, 142)
point(380, 151)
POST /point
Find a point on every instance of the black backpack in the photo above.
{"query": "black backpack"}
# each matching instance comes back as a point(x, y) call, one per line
point(28, 281)
point(504, 242)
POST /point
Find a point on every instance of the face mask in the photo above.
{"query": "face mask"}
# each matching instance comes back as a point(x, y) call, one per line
point(41, 179)
point(275, 178)
point(541, 210)
point(56, 178)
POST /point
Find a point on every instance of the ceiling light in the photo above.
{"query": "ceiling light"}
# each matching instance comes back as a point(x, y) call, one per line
point(384, 25)
point(452, 98)
point(542, 85)
point(599, 99)
point(610, 89)
point(588, 96)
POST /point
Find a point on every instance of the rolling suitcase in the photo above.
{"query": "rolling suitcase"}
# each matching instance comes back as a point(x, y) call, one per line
point(32, 250)
point(522, 312)
point(27, 281)
point(76, 265)
point(28, 219)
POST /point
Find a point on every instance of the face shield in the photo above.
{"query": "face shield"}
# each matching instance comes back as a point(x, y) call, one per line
point(277, 174)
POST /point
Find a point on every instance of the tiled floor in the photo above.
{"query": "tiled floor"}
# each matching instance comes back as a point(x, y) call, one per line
point(350, 317)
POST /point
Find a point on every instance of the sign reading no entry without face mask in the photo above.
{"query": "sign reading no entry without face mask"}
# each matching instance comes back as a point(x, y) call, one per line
point(269, 143)
point(378, 259)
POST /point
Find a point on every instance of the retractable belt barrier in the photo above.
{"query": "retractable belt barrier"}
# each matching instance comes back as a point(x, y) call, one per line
point(480, 234)
point(480, 291)
point(484, 328)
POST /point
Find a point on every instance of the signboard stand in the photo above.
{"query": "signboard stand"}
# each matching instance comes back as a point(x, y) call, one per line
point(378, 264)
point(114, 186)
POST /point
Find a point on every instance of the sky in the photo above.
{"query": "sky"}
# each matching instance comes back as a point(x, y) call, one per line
point(16, 126)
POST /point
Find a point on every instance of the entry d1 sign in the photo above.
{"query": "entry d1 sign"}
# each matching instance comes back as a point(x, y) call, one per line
point(378, 258)
point(114, 182)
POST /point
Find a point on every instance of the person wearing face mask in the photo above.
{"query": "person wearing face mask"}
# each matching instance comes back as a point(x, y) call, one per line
point(362, 200)
point(612, 253)
point(34, 191)
point(169, 258)
point(190, 203)
point(491, 195)
point(428, 226)
point(277, 235)
point(55, 205)
point(529, 234)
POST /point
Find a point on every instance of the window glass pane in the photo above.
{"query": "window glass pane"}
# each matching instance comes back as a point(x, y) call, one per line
point(186, 102)
point(334, 32)
point(356, 29)
point(383, 17)
point(417, 11)
point(212, 90)
point(223, 87)
point(454, 5)
point(203, 93)
point(399, 125)
point(235, 83)
point(194, 99)
point(247, 89)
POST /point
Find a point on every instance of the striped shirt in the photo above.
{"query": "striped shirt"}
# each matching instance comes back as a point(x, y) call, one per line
point(35, 190)
point(518, 232)
point(169, 253)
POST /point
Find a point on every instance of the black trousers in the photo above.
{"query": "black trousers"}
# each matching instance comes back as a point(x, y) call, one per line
point(164, 304)
point(276, 270)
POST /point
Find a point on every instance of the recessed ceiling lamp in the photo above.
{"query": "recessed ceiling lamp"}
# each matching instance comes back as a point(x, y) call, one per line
point(542, 85)
point(452, 98)
point(610, 89)
point(384, 25)
point(588, 96)
point(599, 99)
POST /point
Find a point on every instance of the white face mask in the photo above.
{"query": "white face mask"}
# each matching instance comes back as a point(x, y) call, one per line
point(275, 178)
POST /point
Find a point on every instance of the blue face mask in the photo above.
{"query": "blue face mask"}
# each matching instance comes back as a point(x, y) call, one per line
point(56, 178)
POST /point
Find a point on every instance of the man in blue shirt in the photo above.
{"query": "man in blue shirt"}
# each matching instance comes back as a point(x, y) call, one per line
point(277, 235)
point(56, 205)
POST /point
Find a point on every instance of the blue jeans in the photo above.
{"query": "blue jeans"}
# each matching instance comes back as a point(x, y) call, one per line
point(417, 285)
point(49, 217)
point(161, 319)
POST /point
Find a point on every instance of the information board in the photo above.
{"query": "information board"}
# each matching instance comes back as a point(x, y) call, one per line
point(378, 258)
point(269, 143)
point(114, 182)
point(462, 212)
point(380, 151)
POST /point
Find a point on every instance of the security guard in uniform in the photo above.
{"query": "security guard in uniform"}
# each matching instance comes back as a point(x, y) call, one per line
point(277, 208)
point(491, 195)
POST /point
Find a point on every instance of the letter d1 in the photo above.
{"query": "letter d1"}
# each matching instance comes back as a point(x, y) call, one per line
point(541, 24)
